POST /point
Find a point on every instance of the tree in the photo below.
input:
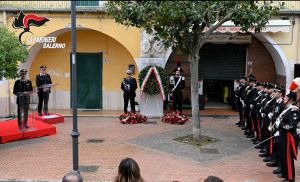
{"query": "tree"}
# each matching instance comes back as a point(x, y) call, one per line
point(185, 26)
point(12, 52)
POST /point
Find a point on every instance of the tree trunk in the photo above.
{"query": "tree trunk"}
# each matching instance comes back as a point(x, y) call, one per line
point(194, 62)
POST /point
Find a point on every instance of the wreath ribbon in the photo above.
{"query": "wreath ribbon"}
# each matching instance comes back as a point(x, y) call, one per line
point(157, 78)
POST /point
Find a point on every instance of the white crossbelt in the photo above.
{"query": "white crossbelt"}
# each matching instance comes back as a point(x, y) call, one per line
point(177, 83)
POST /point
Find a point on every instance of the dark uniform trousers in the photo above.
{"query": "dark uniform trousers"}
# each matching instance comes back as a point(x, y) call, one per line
point(132, 104)
point(23, 107)
point(42, 79)
point(23, 101)
point(43, 99)
point(177, 100)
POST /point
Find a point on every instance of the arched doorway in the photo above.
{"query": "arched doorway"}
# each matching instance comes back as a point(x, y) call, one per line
point(221, 65)
point(115, 59)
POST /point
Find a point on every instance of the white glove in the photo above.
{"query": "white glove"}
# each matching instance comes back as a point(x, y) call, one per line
point(243, 103)
point(183, 78)
point(251, 106)
point(270, 115)
point(270, 128)
point(276, 134)
point(277, 123)
point(172, 80)
point(298, 131)
point(263, 115)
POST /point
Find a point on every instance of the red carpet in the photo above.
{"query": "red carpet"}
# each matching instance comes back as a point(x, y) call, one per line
point(52, 118)
point(9, 130)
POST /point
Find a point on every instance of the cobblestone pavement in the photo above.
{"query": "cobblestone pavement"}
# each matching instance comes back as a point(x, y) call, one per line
point(151, 145)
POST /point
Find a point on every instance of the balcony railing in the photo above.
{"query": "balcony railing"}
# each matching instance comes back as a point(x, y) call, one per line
point(51, 5)
point(290, 6)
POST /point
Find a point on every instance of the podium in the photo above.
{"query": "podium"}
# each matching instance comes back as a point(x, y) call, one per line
point(51, 118)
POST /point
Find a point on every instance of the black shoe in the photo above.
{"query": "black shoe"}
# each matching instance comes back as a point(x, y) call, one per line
point(244, 128)
point(26, 126)
point(256, 142)
point(254, 139)
point(279, 176)
point(263, 151)
point(285, 180)
point(258, 147)
point(40, 114)
point(267, 159)
point(251, 135)
point(263, 155)
point(272, 164)
point(277, 171)
point(238, 123)
point(247, 132)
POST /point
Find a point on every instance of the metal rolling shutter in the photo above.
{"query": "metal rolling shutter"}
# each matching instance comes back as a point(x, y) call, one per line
point(222, 61)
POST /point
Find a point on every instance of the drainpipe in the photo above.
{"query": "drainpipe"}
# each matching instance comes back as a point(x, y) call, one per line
point(297, 21)
point(4, 17)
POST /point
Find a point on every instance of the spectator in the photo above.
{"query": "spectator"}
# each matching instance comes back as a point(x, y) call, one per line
point(72, 176)
point(129, 171)
point(213, 179)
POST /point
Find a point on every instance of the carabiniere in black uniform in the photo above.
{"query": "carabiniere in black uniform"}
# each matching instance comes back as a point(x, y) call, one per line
point(278, 107)
point(129, 85)
point(177, 84)
point(287, 125)
point(43, 93)
point(22, 87)
point(238, 94)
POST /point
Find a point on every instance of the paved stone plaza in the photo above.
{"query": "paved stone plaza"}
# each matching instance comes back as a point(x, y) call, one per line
point(104, 142)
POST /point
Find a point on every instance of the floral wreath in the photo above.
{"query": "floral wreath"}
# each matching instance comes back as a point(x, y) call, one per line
point(153, 80)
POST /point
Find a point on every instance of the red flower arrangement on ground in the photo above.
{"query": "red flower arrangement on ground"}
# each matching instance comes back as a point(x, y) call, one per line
point(132, 118)
point(175, 118)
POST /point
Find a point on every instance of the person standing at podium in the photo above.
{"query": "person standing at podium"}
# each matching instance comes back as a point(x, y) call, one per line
point(43, 92)
point(22, 89)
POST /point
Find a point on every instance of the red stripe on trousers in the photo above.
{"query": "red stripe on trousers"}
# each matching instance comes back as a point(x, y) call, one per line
point(259, 132)
point(252, 124)
point(290, 143)
point(271, 144)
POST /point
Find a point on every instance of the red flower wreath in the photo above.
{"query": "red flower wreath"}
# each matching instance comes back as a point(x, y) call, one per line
point(131, 118)
point(175, 118)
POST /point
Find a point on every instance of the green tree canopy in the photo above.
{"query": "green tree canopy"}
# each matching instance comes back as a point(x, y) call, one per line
point(180, 24)
point(11, 53)
point(185, 26)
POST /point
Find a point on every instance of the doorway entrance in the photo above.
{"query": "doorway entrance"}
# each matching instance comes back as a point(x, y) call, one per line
point(219, 93)
point(89, 81)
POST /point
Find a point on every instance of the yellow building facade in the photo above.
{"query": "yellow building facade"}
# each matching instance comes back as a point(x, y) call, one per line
point(121, 47)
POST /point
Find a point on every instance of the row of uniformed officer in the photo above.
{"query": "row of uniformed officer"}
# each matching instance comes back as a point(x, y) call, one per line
point(271, 121)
